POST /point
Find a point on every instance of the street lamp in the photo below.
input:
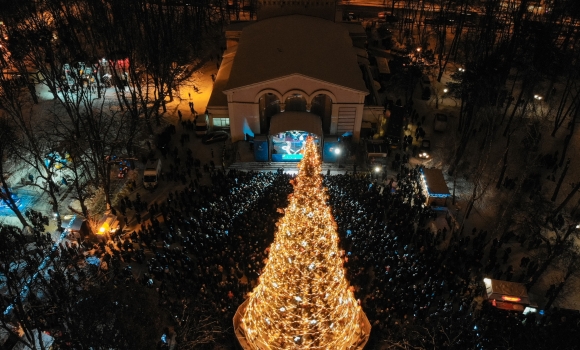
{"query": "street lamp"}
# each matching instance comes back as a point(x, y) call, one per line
point(337, 151)
point(445, 91)
point(538, 97)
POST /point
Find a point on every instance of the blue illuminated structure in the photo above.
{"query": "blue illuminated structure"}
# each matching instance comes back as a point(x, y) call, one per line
point(332, 150)
point(287, 146)
point(3, 202)
point(286, 157)
point(261, 148)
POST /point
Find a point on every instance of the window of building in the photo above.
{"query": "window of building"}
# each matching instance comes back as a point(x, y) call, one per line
point(221, 122)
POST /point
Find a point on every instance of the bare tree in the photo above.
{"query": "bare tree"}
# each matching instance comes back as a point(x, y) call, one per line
point(19, 266)
point(197, 328)
point(6, 194)
point(569, 262)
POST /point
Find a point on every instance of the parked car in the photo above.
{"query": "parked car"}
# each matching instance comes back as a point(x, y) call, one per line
point(151, 173)
point(216, 136)
point(424, 150)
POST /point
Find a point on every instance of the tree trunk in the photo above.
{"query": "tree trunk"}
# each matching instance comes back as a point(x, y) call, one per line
point(558, 248)
point(555, 195)
point(32, 90)
point(454, 185)
point(55, 206)
point(107, 186)
point(6, 195)
point(504, 165)
point(560, 114)
point(507, 106)
point(471, 202)
point(507, 128)
point(569, 136)
point(570, 195)
point(561, 285)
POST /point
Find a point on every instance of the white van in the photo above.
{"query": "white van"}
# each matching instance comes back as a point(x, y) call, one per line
point(151, 173)
point(201, 124)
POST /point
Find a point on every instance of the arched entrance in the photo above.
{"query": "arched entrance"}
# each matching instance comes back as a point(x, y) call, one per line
point(269, 106)
point(322, 106)
point(295, 103)
point(288, 132)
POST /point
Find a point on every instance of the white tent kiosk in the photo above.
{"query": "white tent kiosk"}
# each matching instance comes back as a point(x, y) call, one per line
point(506, 295)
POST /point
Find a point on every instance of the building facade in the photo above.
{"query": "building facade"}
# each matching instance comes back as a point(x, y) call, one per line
point(289, 62)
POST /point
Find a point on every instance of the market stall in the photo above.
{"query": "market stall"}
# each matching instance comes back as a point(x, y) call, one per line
point(509, 296)
point(434, 187)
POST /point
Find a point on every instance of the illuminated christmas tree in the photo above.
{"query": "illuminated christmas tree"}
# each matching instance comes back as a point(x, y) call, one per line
point(303, 300)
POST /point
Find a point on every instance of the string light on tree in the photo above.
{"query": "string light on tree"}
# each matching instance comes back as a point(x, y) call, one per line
point(303, 300)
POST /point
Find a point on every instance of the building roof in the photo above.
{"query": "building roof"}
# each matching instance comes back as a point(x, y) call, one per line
point(296, 44)
point(218, 98)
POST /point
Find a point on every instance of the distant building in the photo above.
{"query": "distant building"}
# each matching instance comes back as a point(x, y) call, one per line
point(296, 59)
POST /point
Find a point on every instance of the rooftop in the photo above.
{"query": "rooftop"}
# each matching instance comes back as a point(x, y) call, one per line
point(218, 98)
point(296, 44)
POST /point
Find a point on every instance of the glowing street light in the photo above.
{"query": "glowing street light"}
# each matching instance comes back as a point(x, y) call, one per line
point(378, 169)
point(337, 151)
point(538, 97)
point(446, 90)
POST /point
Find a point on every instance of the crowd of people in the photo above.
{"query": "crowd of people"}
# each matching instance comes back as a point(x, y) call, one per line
point(203, 248)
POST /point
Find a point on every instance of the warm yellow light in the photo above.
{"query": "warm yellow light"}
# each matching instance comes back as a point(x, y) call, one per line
point(510, 298)
point(102, 230)
point(303, 300)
